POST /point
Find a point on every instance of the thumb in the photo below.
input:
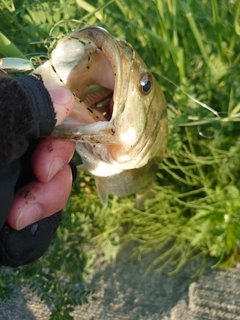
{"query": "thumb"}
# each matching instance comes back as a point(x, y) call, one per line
point(63, 102)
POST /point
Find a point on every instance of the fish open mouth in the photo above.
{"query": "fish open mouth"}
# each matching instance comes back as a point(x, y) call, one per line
point(88, 69)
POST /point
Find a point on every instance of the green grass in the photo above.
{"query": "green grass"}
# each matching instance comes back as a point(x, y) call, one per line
point(193, 49)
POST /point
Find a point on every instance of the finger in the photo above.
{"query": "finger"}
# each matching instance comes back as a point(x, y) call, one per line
point(62, 97)
point(38, 200)
point(63, 102)
point(50, 156)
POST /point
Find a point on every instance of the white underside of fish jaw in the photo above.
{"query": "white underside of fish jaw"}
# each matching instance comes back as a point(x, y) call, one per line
point(97, 159)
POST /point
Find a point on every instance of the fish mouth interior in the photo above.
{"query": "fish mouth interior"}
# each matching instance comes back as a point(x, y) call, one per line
point(92, 81)
point(99, 102)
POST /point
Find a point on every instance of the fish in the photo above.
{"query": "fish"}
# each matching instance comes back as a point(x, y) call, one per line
point(119, 121)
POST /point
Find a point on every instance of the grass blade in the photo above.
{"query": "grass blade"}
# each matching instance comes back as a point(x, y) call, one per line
point(8, 49)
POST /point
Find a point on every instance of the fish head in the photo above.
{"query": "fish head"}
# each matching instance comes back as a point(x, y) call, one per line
point(120, 118)
point(139, 112)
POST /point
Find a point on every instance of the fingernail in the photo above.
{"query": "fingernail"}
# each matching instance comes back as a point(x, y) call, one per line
point(28, 214)
point(60, 95)
point(56, 165)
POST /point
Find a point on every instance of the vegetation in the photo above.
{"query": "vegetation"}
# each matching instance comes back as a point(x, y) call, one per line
point(193, 48)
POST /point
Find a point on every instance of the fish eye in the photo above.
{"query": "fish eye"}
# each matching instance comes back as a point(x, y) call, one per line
point(145, 83)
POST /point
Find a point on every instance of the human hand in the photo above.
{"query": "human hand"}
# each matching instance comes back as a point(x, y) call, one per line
point(50, 191)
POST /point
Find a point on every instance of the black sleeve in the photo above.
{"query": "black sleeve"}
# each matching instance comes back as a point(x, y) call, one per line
point(26, 113)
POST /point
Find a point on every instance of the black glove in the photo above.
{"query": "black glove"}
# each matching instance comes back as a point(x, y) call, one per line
point(22, 247)
point(30, 114)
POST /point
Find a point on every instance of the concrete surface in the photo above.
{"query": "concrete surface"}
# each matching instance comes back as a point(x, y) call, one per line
point(125, 292)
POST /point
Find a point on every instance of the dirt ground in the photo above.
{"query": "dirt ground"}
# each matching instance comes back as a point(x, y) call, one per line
point(124, 291)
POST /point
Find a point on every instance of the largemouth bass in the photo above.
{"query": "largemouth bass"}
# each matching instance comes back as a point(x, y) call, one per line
point(120, 118)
